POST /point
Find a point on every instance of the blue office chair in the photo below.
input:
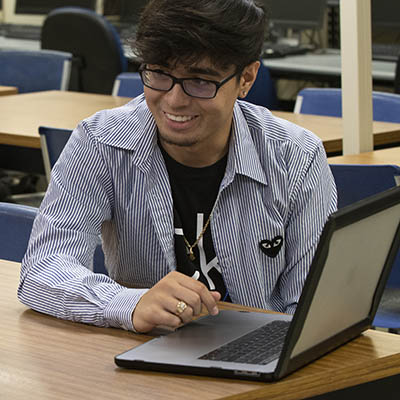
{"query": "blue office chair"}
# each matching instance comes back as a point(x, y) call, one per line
point(354, 183)
point(263, 91)
point(94, 43)
point(15, 229)
point(328, 101)
point(52, 142)
point(16, 221)
point(35, 70)
point(128, 84)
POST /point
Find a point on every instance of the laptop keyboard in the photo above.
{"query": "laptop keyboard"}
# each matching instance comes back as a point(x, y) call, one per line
point(16, 31)
point(276, 50)
point(385, 51)
point(260, 346)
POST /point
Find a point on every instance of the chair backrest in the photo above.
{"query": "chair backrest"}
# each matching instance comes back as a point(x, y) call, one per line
point(52, 142)
point(94, 42)
point(263, 91)
point(16, 222)
point(356, 182)
point(128, 84)
point(328, 101)
point(35, 70)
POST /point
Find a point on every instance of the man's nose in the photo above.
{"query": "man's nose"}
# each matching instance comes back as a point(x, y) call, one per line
point(177, 96)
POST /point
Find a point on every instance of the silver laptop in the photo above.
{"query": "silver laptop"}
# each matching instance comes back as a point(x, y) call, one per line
point(338, 302)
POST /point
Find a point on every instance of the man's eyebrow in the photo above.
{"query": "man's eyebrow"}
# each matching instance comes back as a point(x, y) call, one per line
point(204, 71)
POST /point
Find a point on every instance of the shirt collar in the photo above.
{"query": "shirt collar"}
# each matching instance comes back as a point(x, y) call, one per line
point(244, 159)
point(132, 127)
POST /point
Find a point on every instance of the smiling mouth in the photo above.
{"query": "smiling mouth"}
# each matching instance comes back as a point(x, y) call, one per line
point(180, 118)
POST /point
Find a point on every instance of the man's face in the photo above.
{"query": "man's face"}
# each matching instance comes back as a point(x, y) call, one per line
point(189, 122)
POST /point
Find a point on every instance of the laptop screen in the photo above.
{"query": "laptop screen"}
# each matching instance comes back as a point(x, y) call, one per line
point(358, 254)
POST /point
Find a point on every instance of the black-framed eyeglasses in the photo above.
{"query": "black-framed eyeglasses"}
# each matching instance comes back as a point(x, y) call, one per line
point(195, 87)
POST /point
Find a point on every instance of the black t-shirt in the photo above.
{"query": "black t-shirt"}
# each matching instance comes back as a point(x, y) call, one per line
point(194, 191)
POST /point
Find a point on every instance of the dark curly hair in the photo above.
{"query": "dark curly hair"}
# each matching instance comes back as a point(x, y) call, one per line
point(226, 32)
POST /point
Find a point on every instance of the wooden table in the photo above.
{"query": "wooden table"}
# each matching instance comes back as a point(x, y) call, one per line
point(46, 358)
point(21, 115)
point(330, 129)
point(6, 90)
point(384, 156)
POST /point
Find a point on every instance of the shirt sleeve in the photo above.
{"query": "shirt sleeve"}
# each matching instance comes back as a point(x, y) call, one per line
point(313, 198)
point(56, 272)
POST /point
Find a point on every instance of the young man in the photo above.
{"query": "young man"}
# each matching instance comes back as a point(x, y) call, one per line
point(197, 196)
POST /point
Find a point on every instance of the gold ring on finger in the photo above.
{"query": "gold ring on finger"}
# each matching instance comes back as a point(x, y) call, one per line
point(181, 307)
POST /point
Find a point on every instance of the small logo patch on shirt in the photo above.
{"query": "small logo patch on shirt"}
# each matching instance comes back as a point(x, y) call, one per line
point(271, 247)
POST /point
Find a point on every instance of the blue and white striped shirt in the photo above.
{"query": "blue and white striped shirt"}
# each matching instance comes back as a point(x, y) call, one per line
point(111, 180)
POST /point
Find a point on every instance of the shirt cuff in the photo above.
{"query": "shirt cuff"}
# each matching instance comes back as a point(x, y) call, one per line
point(118, 312)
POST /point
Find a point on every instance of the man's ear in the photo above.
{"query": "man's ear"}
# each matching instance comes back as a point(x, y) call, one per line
point(248, 77)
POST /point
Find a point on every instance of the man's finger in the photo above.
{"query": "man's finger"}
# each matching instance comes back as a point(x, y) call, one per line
point(202, 291)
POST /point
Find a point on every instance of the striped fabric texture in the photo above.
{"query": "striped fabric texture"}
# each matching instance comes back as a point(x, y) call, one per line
point(111, 180)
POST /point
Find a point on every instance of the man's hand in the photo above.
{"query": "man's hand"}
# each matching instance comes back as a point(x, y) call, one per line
point(159, 305)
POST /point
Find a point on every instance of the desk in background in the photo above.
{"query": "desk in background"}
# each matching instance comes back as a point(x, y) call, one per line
point(43, 358)
point(324, 67)
point(6, 90)
point(23, 44)
point(384, 156)
point(330, 129)
point(22, 114)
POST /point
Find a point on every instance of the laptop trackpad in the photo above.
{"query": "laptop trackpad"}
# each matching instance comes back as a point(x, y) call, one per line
point(186, 345)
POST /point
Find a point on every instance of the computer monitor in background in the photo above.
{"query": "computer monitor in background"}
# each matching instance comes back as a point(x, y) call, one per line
point(130, 10)
point(297, 15)
point(33, 12)
point(385, 15)
point(45, 6)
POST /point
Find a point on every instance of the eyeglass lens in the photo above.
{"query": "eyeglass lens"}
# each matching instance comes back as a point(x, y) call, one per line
point(193, 87)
